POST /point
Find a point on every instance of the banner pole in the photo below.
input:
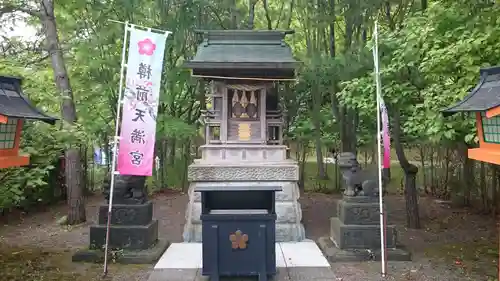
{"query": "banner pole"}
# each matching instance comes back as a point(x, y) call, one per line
point(379, 152)
point(115, 145)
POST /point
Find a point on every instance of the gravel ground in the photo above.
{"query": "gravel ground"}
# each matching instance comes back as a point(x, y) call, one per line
point(42, 230)
point(454, 245)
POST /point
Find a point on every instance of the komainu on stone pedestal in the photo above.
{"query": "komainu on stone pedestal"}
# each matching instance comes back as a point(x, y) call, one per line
point(355, 232)
point(128, 189)
point(132, 231)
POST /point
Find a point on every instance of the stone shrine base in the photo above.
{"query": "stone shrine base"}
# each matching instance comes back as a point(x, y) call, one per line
point(296, 261)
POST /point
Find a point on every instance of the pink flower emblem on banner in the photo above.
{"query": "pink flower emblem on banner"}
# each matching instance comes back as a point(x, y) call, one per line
point(146, 47)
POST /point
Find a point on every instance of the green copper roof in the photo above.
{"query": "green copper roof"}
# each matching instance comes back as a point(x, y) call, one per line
point(245, 50)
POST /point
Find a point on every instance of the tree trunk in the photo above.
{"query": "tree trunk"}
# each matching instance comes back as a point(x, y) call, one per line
point(251, 13)
point(494, 189)
point(172, 151)
point(388, 16)
point(303, 156)
point(316, 106)
point(76, 200)
point(332, 28)
point(483, 188)
point(234, 15)
point(410, 170)
point(467, 173)
point(423, 5)
point(266, 10)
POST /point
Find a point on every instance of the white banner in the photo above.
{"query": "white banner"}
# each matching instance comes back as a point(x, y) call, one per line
point(140, 102)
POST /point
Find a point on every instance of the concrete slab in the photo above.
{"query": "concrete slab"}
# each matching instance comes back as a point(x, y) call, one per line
point(303, 254)
point(284, 274)
point(311, 274)
point(288, 254)
point(295, 261)
point(174, 275)
point(181, 256)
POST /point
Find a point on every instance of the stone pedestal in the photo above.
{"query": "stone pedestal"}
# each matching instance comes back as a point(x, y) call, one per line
point(284, 173)
point(132, 227)
point(358, 225)
point(133, 235)
point(355, 232)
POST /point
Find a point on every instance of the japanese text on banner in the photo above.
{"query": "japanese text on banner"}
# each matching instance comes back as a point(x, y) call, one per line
point(140, 103)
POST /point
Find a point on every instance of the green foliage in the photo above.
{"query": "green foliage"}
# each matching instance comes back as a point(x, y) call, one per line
point(44, 143)
point(428, 65)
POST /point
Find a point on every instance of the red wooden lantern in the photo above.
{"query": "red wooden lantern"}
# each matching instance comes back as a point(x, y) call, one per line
point(484, 101)
point(14, 109)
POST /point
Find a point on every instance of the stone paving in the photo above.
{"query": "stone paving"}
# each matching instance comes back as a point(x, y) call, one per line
point(284, 274)
point(295, 261)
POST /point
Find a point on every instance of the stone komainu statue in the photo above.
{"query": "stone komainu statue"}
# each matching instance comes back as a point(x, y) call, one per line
point(127, 190)
point(357, 182)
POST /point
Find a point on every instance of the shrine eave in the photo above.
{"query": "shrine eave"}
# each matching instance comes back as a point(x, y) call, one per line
point(13, 103)
point(240, 65)
point(484, 97)
point(269, 74)
point(244, 51)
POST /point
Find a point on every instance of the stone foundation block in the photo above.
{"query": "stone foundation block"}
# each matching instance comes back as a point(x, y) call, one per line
point(360, 236)
point(358, 213)
point(136, 237)
point(146, 256)
point(127, 214)
point(334, 254)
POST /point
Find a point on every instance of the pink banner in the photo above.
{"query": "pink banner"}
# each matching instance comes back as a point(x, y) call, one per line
point(385, 135)
point(140, 103)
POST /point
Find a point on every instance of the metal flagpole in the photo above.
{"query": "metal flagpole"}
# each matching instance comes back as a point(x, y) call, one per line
point(379, 152)
point(115, 144)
